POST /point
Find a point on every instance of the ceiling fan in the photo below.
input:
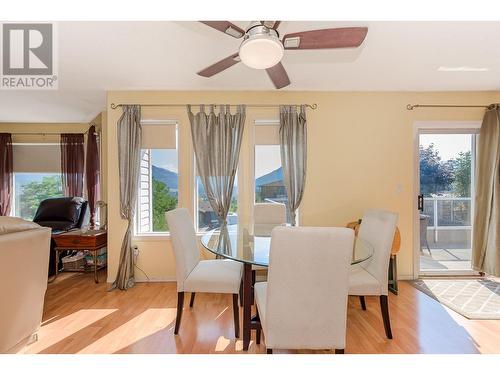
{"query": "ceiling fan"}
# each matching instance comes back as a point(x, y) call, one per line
point(262, 49)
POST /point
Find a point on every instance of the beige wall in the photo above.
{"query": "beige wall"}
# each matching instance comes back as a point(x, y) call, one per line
point(360, 155)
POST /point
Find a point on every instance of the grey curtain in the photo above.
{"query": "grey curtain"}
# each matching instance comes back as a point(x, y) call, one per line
point(217, 143)
point(293, 147)
point(129, 150)
point(486, 236)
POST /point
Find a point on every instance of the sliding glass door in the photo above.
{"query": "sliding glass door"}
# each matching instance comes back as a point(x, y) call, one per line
point(446, 201)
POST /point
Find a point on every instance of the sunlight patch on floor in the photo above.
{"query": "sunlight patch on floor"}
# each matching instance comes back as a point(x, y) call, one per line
point(222, 344)
point(54, 331)
point(143, 325)
point(238, 345)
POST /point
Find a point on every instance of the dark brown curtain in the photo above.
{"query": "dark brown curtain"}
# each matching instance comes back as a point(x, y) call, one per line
point(92, 172)
point(5, 173)
point(72, 164)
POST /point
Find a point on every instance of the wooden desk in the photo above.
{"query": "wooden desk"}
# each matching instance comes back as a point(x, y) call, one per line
point(91, 240)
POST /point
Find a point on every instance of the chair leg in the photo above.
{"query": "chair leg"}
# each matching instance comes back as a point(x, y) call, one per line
point(191, 301)
point(339, 351)
point(236, 313)
point(257, 330)
point(180, 305)
point(241, 293)
point(384, 307)
point(269, 351)
point(253, 283)
point(362, 301)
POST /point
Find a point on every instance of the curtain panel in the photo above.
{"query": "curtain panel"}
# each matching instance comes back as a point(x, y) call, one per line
point(293, 148)
point(129, 152)
point(72, 164)
point(486, 236)
point(6, 173)
point(217, 142)
point(92, 172)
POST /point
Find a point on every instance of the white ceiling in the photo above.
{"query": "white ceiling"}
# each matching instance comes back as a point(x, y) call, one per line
point(95, 57)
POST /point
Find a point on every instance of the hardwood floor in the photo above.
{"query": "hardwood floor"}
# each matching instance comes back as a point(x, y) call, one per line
point(81, 317)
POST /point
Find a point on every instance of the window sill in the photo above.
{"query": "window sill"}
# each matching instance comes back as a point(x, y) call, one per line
point(151, 237)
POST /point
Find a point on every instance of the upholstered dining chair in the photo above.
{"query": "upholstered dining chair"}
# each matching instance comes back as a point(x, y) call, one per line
point(195, 275)
point(370, 278)
point(303, 305)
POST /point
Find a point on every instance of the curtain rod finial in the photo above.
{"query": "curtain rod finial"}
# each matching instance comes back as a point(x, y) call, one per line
point(114, 106)
point(410, 107)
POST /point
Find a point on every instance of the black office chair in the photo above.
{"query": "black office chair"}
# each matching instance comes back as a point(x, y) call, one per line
point(61, 214)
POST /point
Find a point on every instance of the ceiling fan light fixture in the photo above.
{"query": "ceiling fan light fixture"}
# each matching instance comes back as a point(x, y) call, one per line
point(261, 51)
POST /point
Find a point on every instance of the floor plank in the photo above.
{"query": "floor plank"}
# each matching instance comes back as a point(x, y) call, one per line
point(81, 317)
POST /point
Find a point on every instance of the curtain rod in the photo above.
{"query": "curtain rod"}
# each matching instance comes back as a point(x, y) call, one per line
point(52, 133)
point(115, 106)
point(411, 107)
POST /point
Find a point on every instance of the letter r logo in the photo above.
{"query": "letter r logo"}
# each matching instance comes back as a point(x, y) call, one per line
point(27, 49)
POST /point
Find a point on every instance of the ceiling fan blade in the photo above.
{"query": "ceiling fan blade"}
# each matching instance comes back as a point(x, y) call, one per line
point(226, 27)
point(278, 75)
point(219, 66)
point(271, 24)
point(326, 38)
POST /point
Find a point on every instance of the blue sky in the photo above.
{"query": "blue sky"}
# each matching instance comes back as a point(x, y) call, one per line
point(448, 145)
point(167, 159)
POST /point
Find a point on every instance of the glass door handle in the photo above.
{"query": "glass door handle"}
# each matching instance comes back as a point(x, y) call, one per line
point(421, 203)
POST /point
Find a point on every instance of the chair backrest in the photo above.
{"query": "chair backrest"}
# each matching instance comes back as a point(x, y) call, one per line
point(378, 227)
point(266, 216)
point(62, 213)
point(306, 306)
point(186, 252)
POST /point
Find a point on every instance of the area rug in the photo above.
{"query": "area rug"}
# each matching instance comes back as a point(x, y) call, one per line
point(472, 298)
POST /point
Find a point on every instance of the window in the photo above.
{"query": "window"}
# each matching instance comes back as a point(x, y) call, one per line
point(37, 176)
point(206, 218)
point(269, 185)
point(32, 188)
point(159, 179)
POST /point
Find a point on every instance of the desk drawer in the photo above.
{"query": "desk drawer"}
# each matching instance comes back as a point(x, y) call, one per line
point(80, 242)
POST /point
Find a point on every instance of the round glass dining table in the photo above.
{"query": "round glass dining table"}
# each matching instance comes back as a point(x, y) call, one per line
point(250, 244)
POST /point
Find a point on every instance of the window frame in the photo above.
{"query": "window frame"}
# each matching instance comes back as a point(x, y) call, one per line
point(13, 205)
point(255, 123)
point(153, 236)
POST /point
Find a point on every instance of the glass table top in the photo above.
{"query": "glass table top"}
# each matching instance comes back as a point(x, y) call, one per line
point(251, 244)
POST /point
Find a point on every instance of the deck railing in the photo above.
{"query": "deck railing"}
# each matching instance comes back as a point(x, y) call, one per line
point(448, 213)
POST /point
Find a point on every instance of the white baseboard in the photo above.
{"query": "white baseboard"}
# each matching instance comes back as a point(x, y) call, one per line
point(406, 277)
point(258, 278)
point(151, 280)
